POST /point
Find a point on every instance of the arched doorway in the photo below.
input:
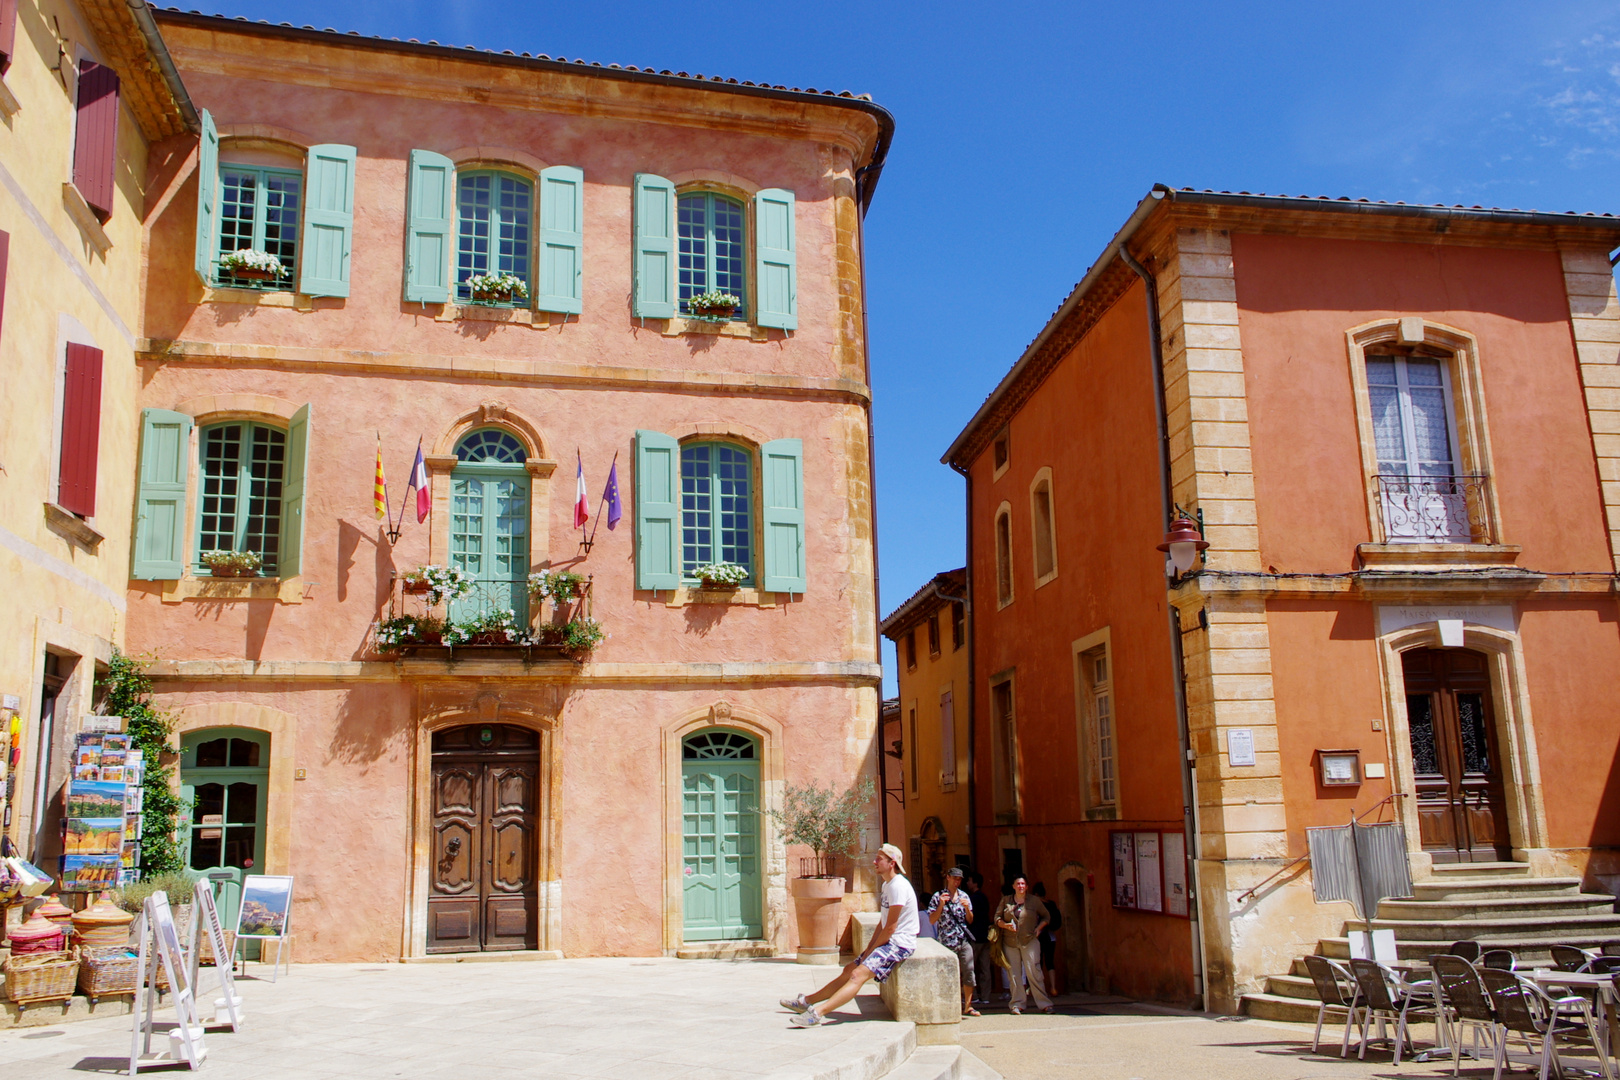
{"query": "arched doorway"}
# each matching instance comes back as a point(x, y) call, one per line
point(225, 775)
point(722, 889)
point(483, 890)
point(489, 524)
point(1072, 902)
point(1456, 758)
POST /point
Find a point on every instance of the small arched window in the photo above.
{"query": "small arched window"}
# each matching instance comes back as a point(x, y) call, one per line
point(491, 446)
point(714, 744)
point(243, 472)
point(494, 231)
point(1040, 512)
point(712, 249)
point(1004, 577)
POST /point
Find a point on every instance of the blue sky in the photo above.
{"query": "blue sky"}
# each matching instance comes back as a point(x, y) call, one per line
point(1026, 133)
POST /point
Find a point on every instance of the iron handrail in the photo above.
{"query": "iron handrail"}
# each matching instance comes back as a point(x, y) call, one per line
point(1280, 871)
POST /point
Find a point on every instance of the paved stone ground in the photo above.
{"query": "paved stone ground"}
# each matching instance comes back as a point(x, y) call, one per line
point(1113, 1039)
point(642, 1019)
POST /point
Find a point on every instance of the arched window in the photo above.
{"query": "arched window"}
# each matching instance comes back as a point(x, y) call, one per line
point(259, 209)
point(1004, 577)
point(717, 518)
point(494, 228)
point(489, 523)
point(724, 745)
point(242, 471)
point(712, 248)
point(1040, 510)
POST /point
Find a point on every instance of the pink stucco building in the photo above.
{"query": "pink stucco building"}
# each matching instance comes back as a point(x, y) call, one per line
point(432, 799)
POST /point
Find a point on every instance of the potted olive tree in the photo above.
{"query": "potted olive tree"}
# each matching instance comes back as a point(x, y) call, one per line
point(830, 824)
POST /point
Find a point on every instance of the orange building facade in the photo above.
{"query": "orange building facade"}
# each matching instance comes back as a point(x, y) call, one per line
point(512, 790)
point(1398, 429)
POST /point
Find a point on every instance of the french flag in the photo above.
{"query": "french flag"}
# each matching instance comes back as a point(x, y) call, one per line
point(419, 481)
point(582, 512)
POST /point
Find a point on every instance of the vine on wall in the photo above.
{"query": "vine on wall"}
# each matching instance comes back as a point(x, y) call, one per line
point(129, 694)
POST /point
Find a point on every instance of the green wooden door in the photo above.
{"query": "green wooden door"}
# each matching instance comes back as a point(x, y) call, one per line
point(489, 538)
point(225, 773)
point(723, 895)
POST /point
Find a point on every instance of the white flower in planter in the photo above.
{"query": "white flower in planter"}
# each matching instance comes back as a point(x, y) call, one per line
point(251, 259)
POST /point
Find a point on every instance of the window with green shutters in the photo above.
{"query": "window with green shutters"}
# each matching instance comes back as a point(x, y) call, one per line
point(717, 518)
point(489, 524)
point(258, 210)
point(494, 229)
point(712, 248)
point(242, 474)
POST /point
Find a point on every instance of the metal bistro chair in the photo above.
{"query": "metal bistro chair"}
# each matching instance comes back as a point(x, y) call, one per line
point(1611, 948)
point(1525, 1008)
point(1337, 989)
point(1379, 1003)
point(1463, 996)
point(1500, 959)
point(1468, 950)
point(1569, 958)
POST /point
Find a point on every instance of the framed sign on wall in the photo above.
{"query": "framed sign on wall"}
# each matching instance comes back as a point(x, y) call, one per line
point(1150, 871)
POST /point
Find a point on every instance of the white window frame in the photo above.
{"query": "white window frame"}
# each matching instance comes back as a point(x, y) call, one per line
point(1085, 651)
point(1043, 478)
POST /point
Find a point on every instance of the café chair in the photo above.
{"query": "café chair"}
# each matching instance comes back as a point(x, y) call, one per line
point(1501, 959)
point(1337, 989)
point(1385, 996)
point(1569, 958)
point(1524, 1008)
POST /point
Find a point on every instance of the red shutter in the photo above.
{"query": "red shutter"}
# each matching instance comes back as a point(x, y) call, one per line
point(8, 32)
point(5, 260)
point(81, 430)
point(95, 139)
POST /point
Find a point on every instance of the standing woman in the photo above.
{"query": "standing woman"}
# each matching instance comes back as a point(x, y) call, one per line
point(1021, 918)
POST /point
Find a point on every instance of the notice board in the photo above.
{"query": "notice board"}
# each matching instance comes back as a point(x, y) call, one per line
point(1149, 871)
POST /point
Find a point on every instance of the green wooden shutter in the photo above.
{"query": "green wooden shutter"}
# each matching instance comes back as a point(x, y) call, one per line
point(328, 221)
point(160, 498)
point(427, 240)
point(782, 491)
point(658, 511)
point(776, 275)
point(655, 247)
point(290, 562)
point(562, 239)
point(207, 197)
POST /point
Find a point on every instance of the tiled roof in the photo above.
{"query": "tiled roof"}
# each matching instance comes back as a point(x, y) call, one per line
point(951, 582)
point(1177, 192)
point(535, 56)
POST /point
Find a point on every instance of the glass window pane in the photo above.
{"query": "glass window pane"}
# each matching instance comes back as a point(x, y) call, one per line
point(221, 478)
point(1381, 370)
point(242, 804)
point(692, 225)
point(727, 231)
point(697, 518)
point(208, 800)
point(238, 199)
point(266, 471)
point(731, 466)
point(494, 227)
point(239, 844)
point(1420, 719)
point(244, 753)
point(1387, 432)
point(211, 754)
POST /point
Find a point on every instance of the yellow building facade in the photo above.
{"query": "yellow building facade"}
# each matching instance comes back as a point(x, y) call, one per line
point(930, 636)
point(87, 89)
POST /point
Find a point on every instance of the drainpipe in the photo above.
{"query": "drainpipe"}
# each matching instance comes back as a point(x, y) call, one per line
point(1189, 789)
point(972, 696)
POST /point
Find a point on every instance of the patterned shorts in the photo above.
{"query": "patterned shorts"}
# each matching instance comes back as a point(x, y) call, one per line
point(884, 959)
point(964, 961)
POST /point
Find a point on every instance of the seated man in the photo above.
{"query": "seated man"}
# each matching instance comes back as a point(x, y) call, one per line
point(895, 939)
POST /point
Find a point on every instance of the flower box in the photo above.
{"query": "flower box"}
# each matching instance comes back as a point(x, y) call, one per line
point(248, 274)
point(415, 588)
point(231, 572)
point(716, 313)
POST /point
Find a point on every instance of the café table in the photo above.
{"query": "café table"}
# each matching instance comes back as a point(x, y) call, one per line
point(1584, 980)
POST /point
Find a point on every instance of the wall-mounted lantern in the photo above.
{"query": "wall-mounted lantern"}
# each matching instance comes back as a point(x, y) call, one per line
point(1182, 543)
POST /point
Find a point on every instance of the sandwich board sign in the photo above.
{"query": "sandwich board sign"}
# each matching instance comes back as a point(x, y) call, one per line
point(160, 944)
point(262, 916)
point(205, 926)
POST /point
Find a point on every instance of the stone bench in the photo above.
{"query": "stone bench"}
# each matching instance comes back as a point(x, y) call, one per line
point(926, 988)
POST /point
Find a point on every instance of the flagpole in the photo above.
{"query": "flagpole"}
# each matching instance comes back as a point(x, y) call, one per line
point(599, 504)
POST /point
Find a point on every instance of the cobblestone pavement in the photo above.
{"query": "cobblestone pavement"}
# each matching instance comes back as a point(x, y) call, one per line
point(1094, 1038)
point(643, 1019)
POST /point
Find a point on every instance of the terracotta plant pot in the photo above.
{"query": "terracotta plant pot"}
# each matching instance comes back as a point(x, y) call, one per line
point(414, 588)
point(231, 572)
point(498, 637)
point(707, 583)
point(493, 297)
point(716, 313)
point(818, 902)
point(428, 637)
point(248, 274)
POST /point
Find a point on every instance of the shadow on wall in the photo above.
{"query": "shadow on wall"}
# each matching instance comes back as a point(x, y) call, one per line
point(367, 729)
point(701, 618)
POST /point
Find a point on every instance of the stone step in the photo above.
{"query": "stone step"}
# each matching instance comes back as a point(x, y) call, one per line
point(943, 1063)
point(1448, 888)
point(1292, 986)
point(1554, 907)
point(1481, 869)
point(1291, 1009)
point(1603, 927)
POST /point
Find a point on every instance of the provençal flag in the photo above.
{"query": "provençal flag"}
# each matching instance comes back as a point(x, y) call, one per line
point(379, 485)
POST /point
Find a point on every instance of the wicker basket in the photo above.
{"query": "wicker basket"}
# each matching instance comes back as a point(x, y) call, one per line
point(206, 948)
point(105, 972)
point(41, 977)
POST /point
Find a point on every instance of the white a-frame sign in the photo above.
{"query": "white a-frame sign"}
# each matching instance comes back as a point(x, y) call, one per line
point(160, 944)
point(205, 926)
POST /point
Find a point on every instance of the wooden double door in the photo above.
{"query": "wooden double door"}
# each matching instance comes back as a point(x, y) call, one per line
point(1456, 763)
point(484, 895)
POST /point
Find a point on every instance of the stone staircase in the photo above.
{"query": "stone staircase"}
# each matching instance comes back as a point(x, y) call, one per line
point(1497, 904)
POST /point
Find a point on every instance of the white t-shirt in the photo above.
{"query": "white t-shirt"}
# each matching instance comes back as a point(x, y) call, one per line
point(897, 891)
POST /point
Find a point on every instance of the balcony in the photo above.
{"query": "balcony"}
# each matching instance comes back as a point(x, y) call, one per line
point(493, 620)
point(1435, 509)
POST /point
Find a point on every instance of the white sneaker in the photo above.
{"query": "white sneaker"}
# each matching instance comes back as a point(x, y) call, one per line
point(808, 1018)
point(795, 1004)
point(1015, 1010)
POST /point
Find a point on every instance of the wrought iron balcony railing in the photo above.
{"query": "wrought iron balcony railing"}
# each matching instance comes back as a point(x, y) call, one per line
point(1436, 509)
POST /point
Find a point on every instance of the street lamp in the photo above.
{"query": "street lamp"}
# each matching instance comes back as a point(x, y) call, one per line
point(1183, 543)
